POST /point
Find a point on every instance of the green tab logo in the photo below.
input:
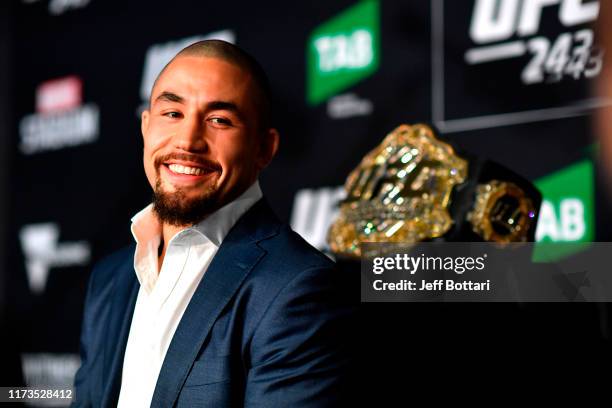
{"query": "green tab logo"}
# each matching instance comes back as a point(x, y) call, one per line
point(565, 225)
point(343, 51)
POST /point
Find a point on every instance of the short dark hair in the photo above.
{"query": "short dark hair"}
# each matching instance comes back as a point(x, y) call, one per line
point(236, 56)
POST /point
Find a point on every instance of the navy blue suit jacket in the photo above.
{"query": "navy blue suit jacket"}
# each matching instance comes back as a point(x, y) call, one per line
point(268, 326)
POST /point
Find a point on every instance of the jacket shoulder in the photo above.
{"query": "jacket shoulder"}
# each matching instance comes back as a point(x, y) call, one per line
point(289, 258)
point(104, 270)
point(290, 249)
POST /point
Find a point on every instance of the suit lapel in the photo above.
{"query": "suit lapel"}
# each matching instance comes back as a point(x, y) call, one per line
point(125, 291)
point(235, 258)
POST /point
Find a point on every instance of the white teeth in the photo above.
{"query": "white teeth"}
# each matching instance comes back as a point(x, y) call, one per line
point(177, 168)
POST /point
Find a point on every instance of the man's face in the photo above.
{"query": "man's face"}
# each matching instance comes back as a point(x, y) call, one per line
point(202, 145)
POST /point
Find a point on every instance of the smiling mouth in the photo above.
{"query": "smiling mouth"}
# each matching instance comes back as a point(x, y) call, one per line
point(189, 172)
point(192, 171)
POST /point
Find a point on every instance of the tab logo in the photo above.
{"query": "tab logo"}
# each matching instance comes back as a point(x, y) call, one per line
point(567, 211)
point(343, 51)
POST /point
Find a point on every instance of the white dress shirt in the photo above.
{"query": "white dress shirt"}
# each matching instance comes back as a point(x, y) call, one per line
point(163, 298)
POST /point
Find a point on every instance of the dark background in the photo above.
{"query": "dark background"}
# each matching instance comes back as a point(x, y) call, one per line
point(90, 191)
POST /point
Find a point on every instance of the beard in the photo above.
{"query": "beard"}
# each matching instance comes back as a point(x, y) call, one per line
point(178, 209)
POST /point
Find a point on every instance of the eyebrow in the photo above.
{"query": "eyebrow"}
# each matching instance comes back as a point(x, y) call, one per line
point(170, 97)
point(223, 105)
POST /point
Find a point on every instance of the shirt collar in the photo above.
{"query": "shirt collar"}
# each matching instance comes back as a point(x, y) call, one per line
point(146, 227)
point(216, 226)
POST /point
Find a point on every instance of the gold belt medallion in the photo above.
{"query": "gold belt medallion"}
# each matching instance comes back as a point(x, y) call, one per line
point(400, 192)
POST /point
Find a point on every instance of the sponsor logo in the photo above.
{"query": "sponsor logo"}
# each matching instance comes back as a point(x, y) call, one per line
point(61, 120)
point(566, 214)
point(499, 27)
point(340, 53)
point(49, 370)
point(313, 212)
point(43, 251)
point(58, 7)
point(158, 55)
point(59, 95)
point(527, 42)
point(348, 105)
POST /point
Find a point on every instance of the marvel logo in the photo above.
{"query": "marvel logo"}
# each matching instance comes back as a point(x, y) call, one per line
point(59, 94)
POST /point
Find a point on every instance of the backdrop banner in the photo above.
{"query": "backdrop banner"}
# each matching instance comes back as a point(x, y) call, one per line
point(509, 81)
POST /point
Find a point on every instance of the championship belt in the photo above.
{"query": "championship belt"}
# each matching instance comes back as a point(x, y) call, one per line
point(415, 187)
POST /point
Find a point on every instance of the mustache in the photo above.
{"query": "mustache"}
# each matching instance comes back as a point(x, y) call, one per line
point(206, 164)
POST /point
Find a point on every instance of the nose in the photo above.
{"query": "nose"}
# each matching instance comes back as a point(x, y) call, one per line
point(191, 136)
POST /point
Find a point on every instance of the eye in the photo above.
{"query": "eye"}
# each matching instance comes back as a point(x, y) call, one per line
point(172, 115)
point(220, 121)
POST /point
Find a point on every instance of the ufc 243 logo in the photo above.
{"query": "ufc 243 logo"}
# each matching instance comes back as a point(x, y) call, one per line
point(497, 20)
point(513, 25)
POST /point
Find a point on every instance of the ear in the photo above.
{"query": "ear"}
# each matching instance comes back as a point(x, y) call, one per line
point(269, 147)
point(144, 121)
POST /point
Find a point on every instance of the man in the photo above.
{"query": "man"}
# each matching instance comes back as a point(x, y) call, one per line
point(218, 304)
